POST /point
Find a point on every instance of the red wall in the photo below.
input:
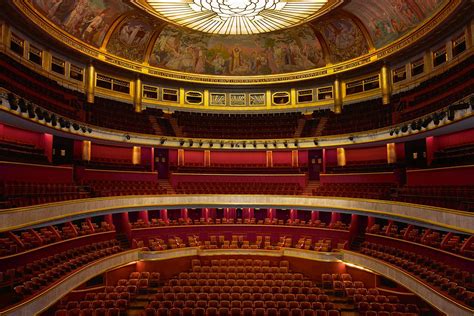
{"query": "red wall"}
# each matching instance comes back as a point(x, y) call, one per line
point(35, 173)
point(237, 157)
point(178, 178)
point(282, 158)
point(303, 157)
point(194, 157)
point(11, 133)
point(455, 139)
point(366, 154)
point(93, 174)
point(381, 177)
point(462, 175)
point(111, 152)
point(173, 157)
point(331, 157)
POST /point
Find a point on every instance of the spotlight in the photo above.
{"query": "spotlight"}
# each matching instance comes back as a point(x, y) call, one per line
point(46, 116)
point(255, 144)
point(351, 138)
point(426, 122)
point(211, 144)
point(39, 113)
point(54, 120)
point(191, 143)
point(397, 131)
point(181, 142)
point(315, 142)
point(200, 143)
point(89, 130)
point(265, 145)
point(286, 144)
point(296, 143)
point(127, 137)
point(222, 144)
point(275, 144)
point(75, 126)
point(22, 105)
point(404, 128)
point(83, 129)
point(244, 145)
point(68, 124)
point(391, 132)
point(162, 141)
point(62, 122)
point(232, 144)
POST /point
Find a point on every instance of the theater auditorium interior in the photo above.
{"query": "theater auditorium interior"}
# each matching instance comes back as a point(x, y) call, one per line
point(236, 157)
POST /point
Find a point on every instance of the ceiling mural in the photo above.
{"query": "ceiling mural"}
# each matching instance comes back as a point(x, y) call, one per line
point(346, 29)
point(387, 20)
point(131, 38)
point(87, 20)
point(343, 37)
point(289, 50)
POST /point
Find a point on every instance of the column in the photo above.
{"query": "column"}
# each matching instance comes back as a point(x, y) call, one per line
point(269, 159)
point(180, 157)
point(207, 158)
point(335, 217)
point(391, 153)
point(268, 99)
point(314, 216)
point(184, 214)
point(293, 97)
point(143, 215)
point(430, 149)
point(86, 150)
point(341, 157)
point(370, 221)
point(206, 98)
point(428, 60)
point(137, 95)
point(122, 224)
point(386, 83)
point(90, 83)
point(293, 215)
point(164, 215)
point(136, 155)
point(324, 160)
point(205, 213)
point(47, 142)
point(337, 96)
point(294, 158)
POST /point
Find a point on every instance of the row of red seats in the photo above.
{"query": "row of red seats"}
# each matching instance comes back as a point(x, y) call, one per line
point(238, 188)
point(456, 283)
point(247, 311)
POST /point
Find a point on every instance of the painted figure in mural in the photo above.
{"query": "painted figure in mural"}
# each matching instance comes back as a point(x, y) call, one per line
point(290, 50)
point(92, 26)
point(76, 16)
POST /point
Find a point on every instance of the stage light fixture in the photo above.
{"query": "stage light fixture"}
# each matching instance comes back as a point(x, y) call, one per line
point(162, 141)
point(181, 142)
point(191, 143)
point(89, 130)
point(404, 128)
point(211, 144)
point(315, 142)
point(75, 126)
point(351, 138)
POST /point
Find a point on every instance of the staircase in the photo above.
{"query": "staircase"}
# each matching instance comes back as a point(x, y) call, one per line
point(124, 243)
point(321, 125)
point(164, 183)
point(312, 184)
point(299, 127)
point(178, 131)
point(154, 124)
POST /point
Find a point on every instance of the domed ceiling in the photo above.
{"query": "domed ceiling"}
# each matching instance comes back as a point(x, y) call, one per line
point(236, 37)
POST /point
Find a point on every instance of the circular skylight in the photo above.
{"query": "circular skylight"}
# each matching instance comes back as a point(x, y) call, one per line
point(237, 16)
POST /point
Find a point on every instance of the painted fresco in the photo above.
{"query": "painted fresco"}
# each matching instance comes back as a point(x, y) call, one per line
point(289, 50)
point(130, 39)
point(387, 20)
point(343, 38)
point(87, 20)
